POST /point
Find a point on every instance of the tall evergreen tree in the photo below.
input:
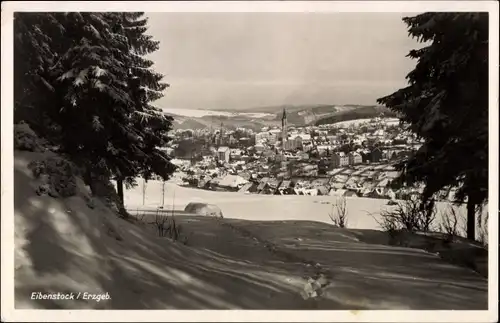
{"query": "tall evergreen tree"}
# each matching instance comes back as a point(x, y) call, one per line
point(145, 87)
point(446, 104)
point(34, 36)
point(101, 88)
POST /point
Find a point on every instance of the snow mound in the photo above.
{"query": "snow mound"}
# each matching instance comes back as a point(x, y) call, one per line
point(204, 209)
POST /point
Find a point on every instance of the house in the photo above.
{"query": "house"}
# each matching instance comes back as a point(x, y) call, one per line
point(303, 155)
point(250, 187)
point(365, 156)
point(286, 188)
point(382, 193)
point(235, 154)
point(310, 191)
point(376, 155)
point(245, 174)
point(204, 183)
point(355, 158)
point(383, 183)
point(213, 184)
point(340, 159)
point(350, 193)
point(337, 192)
point(336, 185)
point(390, 154)
point(259, 147)
point(298, 191)
point(223, 154)
point(262, 185)
point(232, 182)
point(322, 190)
point(405, 154)
point(293, 143)
point(273, 184)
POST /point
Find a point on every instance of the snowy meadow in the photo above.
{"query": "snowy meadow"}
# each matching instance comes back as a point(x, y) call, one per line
point(363, 213)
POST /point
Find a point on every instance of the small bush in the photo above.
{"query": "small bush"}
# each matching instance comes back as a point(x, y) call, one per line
point(338, 215)
point(449, 225)
point(140, 216)
point(166, 226)
point(26, 139)
point(58, 176)
point(483, 230)
point(411, 215)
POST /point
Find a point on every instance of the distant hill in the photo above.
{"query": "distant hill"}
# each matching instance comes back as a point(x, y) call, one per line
point(358, 113)
point(229, 122)
point(297, 115)
point(188, 123)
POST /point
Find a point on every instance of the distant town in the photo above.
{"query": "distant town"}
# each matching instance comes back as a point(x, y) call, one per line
point(343, 159)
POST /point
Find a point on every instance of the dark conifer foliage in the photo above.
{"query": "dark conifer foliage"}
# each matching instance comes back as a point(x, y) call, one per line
point(87, 79)
point(446, 103)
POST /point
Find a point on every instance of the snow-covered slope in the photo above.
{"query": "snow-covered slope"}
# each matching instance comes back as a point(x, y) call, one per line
point(63, 245)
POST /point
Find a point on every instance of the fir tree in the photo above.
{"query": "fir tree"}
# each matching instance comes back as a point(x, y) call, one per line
point(446, 104)
point(99, 90)
point(145, 87)
point(34, 36)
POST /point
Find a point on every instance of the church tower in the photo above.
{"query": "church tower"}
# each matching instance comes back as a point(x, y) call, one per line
point(221, 134)
point(284, 130)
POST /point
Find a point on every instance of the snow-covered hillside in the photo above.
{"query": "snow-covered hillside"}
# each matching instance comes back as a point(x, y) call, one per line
point(359, 122)
point(194, 113)
point(64, 245)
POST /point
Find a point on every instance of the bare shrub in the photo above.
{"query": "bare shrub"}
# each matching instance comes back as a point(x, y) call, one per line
point(411, 215)
point(339, 213)
point(167, 225)
point(482, 237)
point(173, 230)
point(139, 217)
point(161, 223)
point(449, 225)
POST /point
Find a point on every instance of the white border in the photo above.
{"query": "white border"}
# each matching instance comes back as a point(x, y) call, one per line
point(7, 223)
point(251, 6)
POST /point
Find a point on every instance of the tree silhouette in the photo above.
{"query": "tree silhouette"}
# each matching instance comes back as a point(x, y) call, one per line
point(446, 104)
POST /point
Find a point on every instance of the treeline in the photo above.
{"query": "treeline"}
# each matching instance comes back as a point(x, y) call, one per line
point(359, 113)
point(82, 82)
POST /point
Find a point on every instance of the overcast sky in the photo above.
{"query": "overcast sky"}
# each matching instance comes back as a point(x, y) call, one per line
point(242, 60)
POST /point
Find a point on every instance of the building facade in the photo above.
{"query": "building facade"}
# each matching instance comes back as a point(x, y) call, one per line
point(340, 159)
point(355, 158)
point(223, 154)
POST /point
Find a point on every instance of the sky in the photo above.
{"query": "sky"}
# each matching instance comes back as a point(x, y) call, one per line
point(244, 60)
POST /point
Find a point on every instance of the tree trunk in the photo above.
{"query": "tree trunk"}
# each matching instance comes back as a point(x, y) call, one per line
point(119, 189)
point(471, 219)
point(89, 180)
